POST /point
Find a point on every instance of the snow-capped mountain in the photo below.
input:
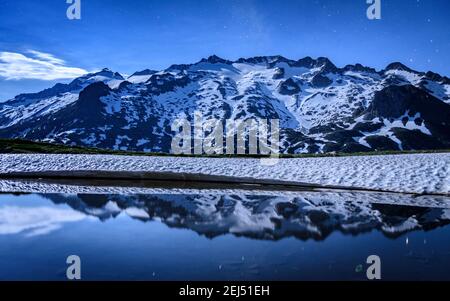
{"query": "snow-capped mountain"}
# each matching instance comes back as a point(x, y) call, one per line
point(311, 215)
point(321, 108)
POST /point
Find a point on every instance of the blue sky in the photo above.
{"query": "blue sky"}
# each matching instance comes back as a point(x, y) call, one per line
point(128, 36)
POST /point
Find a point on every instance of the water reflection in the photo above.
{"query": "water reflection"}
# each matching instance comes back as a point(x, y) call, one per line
point(308, 215)
point(224, 235)
point(35, 221)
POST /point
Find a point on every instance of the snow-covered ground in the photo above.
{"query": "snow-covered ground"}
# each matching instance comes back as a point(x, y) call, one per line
point(414, 173)
point(48, 187)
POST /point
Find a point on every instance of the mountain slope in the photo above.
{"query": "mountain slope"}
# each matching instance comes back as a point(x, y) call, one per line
point(321, 108)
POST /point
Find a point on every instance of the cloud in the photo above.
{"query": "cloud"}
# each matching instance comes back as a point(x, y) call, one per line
point(34, 221)
point(37, 65)
point(47, 57)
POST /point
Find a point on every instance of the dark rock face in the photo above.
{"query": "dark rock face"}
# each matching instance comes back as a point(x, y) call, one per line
point(214, 59)
point(359, 68)
point(306, 62)
point(354, 147)
point(416, 140)
point(435, 77)
point(381, 143)
point(144, 72)
point(408, 102)
point(271, 61)
point(160, 84)
point(320, 81)
point(279, 74)
point(343, 136)
point(326, 65)
point(394, 101)
point(89, 100)
point(367, 127)
point(289, 87)
point(397, 66)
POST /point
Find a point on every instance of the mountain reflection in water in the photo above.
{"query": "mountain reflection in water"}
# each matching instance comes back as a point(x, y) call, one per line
point(312, 215)
point(224, 235)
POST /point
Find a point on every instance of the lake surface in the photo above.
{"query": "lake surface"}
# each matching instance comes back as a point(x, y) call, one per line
point(303, 236)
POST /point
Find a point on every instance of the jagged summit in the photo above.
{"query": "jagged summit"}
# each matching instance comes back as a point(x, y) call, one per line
point(398, 66)
point(106, 72)
point(359, 68)
point(144, 72)
point(263, 60)
point(214, 59)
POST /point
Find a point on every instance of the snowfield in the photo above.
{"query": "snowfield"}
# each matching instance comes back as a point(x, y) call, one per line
point(413, 173)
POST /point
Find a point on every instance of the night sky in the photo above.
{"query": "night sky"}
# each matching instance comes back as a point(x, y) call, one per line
point(39, 45)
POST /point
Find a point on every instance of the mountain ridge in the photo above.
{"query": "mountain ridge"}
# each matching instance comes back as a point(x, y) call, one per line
point(322, 108)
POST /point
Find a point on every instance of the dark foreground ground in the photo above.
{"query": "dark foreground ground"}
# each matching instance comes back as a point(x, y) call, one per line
point(18, 146)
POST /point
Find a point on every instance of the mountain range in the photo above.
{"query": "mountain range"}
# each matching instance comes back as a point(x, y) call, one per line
point(321, 108)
